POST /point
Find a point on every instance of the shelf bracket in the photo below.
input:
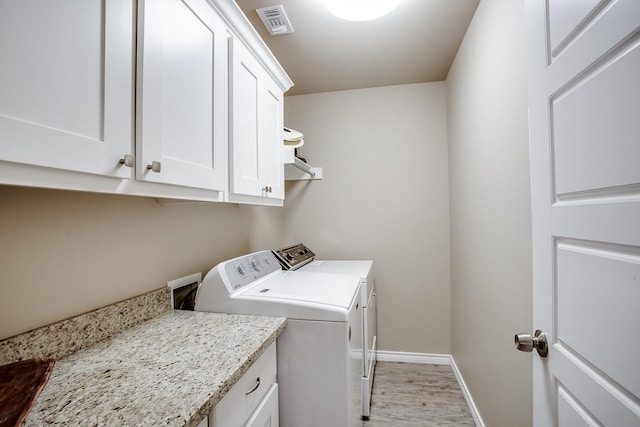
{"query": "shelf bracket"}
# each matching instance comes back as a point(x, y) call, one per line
point(303, 167)
point(301, 171)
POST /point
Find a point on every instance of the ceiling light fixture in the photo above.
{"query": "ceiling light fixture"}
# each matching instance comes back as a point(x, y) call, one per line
point(360, 10)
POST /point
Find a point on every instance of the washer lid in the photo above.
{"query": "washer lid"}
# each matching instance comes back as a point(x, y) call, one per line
point(352, 268)
point(307, 287)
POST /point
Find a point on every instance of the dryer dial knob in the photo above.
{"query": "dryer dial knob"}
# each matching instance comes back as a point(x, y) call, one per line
point(256, 264)
point(240, 269)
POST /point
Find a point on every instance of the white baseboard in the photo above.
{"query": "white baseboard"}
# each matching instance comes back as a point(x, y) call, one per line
point(467, 396)
point(435, 359)
point(399, 356)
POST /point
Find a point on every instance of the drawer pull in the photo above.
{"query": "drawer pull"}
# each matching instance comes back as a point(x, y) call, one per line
point(254, 388)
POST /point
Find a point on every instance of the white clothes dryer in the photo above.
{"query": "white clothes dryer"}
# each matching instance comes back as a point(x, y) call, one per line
point(318, 353)
point(300, 258)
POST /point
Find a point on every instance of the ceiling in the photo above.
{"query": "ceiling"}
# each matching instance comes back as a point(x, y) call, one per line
point(415, 43)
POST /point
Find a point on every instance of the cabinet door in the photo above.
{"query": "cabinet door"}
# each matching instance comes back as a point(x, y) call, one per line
point(182, 75)
point(271, 144)
point(66, 84)
point(256, 127)
point(255, 390)
point(266, 414)
point(245, 78)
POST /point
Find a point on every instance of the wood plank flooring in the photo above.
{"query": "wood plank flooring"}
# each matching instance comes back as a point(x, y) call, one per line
point(409, 394)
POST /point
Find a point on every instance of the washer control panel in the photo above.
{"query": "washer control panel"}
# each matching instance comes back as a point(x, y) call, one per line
point(295, 256)
point(247, 269)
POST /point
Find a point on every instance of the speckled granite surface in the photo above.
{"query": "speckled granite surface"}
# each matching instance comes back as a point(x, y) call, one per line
point(65, 337)
point(170, 371)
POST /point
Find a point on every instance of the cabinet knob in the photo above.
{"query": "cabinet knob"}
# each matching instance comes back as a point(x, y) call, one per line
point(128, 160)
point(154, 166)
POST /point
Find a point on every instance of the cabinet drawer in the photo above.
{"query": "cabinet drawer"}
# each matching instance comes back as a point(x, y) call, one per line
point(245, 396)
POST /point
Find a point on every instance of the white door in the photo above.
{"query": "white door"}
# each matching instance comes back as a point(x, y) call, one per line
point(66, 84)
point(584, 111)
point(182, 74)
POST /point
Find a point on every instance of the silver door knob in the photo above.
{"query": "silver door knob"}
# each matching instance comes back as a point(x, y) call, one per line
point(526, 342)
point(154, 166)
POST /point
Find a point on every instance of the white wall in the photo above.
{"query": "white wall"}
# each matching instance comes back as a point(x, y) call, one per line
point(491, 286)
point(384, 197)
point(64, 253)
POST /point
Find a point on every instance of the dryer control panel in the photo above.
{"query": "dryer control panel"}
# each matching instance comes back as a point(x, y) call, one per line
point(247, 269)
point(293, 257)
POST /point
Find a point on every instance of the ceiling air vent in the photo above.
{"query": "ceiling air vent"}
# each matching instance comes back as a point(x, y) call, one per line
point(275, 20)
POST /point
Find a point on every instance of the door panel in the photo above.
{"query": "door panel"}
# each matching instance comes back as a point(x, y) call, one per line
point(594, 127)
point(272, 125)
point(591, 389)
point(256, 128)
point(599, 218)
point(584, 105)
point(571, 413)
point(566, 18)
point(598, 294)
point(245, 121)
point(66, 84)
point(181, 104)
point(266, 415)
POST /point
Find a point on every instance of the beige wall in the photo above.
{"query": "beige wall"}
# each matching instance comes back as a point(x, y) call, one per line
point(384, 197)
point(64, 253)
point(490, 212)
point(393, 191)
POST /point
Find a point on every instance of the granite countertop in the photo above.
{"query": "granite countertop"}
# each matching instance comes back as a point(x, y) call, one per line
point(169, 370)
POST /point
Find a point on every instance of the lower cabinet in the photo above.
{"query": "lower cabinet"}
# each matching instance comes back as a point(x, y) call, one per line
point(267, 413)
point(253, 400)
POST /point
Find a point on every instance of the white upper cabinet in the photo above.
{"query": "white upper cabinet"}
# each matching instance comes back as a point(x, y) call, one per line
point(181, 94)
point(256, 129)
point(66, 84)
point(135, 97)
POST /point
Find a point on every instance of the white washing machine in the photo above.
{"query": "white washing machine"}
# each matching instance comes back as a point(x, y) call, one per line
point(300, 258)
point(319, 352)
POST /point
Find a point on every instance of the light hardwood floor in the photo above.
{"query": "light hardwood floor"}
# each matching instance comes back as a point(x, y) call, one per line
point(409, 394)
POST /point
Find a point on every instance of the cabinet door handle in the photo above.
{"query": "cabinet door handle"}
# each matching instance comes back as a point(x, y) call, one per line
point(254, 388)
point(154, 166)
point(128, 160)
